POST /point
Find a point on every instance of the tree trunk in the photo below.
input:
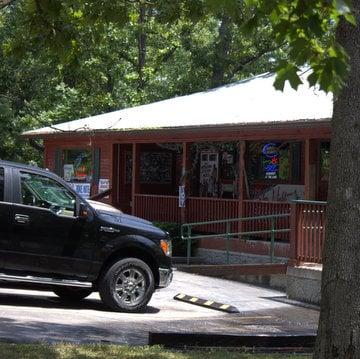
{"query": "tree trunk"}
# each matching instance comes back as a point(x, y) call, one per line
point(339, 324)
point(222, 51)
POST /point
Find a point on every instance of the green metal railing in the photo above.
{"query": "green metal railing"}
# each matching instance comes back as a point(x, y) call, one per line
point(187, 230)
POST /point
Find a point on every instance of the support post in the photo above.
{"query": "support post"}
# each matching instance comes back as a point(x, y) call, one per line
point(294, 240)
point(241, 184)
point(228, 238)
point(310, 171)
point(135, 175)
point(114, 179)
point(272, 243)
point(186, 166)
point(188, 252)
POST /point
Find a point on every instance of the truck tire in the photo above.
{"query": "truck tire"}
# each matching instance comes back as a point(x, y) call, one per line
point(127, 285)
point(72, 293)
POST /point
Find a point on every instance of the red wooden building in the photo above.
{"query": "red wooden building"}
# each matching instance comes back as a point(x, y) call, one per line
point(243, 149)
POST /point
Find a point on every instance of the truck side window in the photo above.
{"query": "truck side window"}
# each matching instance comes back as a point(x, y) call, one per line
point(44, 192)
point(2, 184)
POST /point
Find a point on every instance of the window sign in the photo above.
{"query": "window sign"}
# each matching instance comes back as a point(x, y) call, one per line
point(83, 189)
point(270, 161)
point(209, 173)
point(77, 165)
point(104, 185)
point(69, 173)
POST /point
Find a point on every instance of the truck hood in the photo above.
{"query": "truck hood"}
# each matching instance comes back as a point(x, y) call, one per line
point(116, 217)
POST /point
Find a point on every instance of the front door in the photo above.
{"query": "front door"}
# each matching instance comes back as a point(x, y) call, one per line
point(5, 214)
point(48, 238)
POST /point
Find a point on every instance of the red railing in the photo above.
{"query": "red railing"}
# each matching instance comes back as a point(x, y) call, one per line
point(199, 209)
point(158, 208)
point(308, 231)
point(307, 221)
point(263, 208)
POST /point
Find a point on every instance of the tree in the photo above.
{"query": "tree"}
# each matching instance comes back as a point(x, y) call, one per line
point(339, 325)
point(64, 59)
point(309, 29)
point(305, 28)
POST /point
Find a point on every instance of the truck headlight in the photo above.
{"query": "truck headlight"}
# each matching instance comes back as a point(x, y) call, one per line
point(166, 247)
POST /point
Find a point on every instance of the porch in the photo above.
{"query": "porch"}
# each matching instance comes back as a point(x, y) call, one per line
point(211, 181)
point(302, 244)
point(164, 180)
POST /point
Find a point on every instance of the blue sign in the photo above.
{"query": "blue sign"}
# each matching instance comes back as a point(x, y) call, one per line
point(271, 160)
point(270, 150)
point(83, 189)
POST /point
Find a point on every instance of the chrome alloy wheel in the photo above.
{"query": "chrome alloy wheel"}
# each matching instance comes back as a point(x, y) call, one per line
point(130, 286)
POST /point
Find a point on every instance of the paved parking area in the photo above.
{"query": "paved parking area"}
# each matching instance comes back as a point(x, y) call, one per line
point(27, 316)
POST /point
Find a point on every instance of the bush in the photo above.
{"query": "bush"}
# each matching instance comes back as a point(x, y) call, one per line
point(179, 245)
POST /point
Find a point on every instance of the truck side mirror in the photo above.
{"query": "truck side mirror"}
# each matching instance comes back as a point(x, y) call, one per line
point(83, 211)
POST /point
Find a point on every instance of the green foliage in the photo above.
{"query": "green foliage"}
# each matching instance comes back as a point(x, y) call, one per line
point(307, 27)
point(179, 245)
point(63, 60)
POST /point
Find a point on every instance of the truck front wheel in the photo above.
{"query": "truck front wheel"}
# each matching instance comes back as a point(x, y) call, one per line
point(127, 285)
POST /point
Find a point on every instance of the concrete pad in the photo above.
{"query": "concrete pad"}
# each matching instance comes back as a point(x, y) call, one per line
point(28, 316)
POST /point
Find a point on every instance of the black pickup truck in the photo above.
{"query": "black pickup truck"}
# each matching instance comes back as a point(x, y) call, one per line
point(51, 237)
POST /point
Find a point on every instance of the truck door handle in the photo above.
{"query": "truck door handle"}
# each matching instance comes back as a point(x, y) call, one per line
point(109, 229)
point(22, 218)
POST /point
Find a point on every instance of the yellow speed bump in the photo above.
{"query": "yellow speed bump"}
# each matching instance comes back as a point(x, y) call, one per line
point(206, 303)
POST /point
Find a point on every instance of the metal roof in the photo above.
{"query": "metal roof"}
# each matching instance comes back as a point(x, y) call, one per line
point(247, 102)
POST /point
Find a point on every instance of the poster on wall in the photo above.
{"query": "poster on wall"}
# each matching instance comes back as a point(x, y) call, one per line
point(83, 189)
point(209, 171)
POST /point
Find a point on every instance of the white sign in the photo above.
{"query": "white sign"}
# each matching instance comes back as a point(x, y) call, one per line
point(182, 199)
point(209, 173)
point(104, 184)
point(83, 189)
point(283, 193)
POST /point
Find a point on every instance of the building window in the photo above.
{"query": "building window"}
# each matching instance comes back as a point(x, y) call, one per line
point(156, 167)
point(77, 165)
point(77, 170)
point(275, 170)
point(271, 160)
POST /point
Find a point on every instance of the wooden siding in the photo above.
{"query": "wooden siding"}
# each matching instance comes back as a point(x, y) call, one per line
point(308, 232)
point(157, 208)
point(201, 209)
